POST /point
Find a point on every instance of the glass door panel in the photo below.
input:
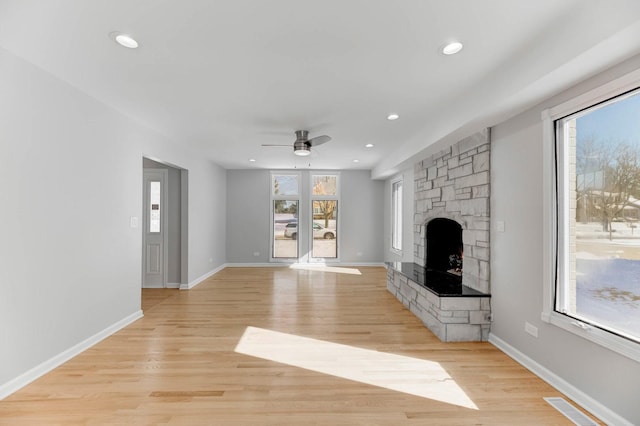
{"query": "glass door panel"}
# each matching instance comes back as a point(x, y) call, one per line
point(285, 229)
point(325, 229)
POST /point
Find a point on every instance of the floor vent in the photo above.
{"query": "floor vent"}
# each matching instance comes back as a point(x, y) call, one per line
point(570, 412)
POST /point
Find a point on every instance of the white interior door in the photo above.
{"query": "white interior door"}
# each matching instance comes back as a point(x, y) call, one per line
point(155, 255)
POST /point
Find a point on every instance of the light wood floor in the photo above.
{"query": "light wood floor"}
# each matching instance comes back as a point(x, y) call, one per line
point(267, 346)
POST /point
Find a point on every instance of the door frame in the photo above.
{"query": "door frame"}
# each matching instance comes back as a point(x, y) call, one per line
point(336, 197)
point(305, 199)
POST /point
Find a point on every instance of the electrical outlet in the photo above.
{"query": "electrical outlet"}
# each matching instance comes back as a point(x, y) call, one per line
point(531, 329)
point(256, 253)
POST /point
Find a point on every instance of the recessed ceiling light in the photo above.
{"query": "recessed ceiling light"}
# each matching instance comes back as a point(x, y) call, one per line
point(369, 145)
point(124, 40)
point(392, 117)
point(356, 161)
point(252, 160)
point(452, 48)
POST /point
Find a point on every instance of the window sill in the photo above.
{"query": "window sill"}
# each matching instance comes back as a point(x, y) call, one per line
point(396, 252)
point(603, 338)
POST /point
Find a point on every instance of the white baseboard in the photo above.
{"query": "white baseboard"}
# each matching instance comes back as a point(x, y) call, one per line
point(585, 401)
point(173, 285)
point(198, 280)
point(24, 379)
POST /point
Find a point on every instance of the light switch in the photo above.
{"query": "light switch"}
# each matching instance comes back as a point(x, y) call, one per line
point(500, 226)
point(133, 222)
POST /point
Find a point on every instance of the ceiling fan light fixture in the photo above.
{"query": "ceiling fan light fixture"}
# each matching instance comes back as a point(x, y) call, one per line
point(302, 151)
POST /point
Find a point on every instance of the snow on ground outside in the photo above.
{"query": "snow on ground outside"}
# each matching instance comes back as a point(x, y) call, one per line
point(608, 275)
point(608, 291)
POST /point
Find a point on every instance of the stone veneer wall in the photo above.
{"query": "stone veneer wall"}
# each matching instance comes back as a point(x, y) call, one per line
point(455, 184)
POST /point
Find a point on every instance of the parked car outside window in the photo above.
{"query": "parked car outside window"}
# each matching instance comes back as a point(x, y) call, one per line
point(319, 231)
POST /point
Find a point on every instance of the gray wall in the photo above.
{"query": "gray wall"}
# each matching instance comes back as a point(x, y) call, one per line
point(248, 228)
point(517, 258)
point(362, 217)
point(248, 216)
point(70, 265)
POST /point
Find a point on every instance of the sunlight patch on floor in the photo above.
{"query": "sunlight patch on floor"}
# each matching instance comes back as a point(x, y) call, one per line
point(413, 376)
point(325, 268)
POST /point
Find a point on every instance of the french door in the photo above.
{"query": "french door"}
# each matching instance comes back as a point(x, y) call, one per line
point(304, 216)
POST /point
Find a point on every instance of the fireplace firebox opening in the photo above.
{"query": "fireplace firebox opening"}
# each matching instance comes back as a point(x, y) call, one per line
point(444, 246)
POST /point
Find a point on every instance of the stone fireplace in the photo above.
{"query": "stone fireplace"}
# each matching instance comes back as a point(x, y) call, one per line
point(454, 184)
point(447, 286)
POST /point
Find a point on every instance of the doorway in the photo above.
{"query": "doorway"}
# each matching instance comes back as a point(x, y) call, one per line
point(164, 237)
point(155, 235)
point(304, 216)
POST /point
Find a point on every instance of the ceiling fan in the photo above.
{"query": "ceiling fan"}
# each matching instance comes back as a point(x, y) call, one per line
point(302, 145)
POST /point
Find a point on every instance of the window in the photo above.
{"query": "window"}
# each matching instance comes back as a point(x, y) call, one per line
point(304, 216)
point(154, 207)
point(285, 203)
point(396, 215)
point(324, 207)
point(593, 217)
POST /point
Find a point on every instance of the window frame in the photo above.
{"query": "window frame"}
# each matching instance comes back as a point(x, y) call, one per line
point(272, 198)
point(312, 198)
point(555, 235)
point(397, 216)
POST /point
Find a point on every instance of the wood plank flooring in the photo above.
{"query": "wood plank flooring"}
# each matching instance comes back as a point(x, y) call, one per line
point(278, 346)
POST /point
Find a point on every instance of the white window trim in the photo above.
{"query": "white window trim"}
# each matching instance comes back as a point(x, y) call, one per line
point(550, 207)
point(393, 216)
point(313, 198)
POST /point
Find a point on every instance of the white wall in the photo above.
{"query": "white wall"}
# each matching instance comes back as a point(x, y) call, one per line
point(516, 265)
point(248, 226)
point(408, 209)
point(70, 179)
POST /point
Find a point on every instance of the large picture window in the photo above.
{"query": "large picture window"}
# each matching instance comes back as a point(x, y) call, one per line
point(596, 221)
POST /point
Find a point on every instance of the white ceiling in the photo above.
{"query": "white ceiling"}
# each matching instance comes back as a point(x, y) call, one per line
point(225, 76)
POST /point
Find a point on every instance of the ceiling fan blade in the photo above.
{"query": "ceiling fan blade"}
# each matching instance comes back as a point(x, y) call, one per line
point(318, 140)
point(268, 144)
